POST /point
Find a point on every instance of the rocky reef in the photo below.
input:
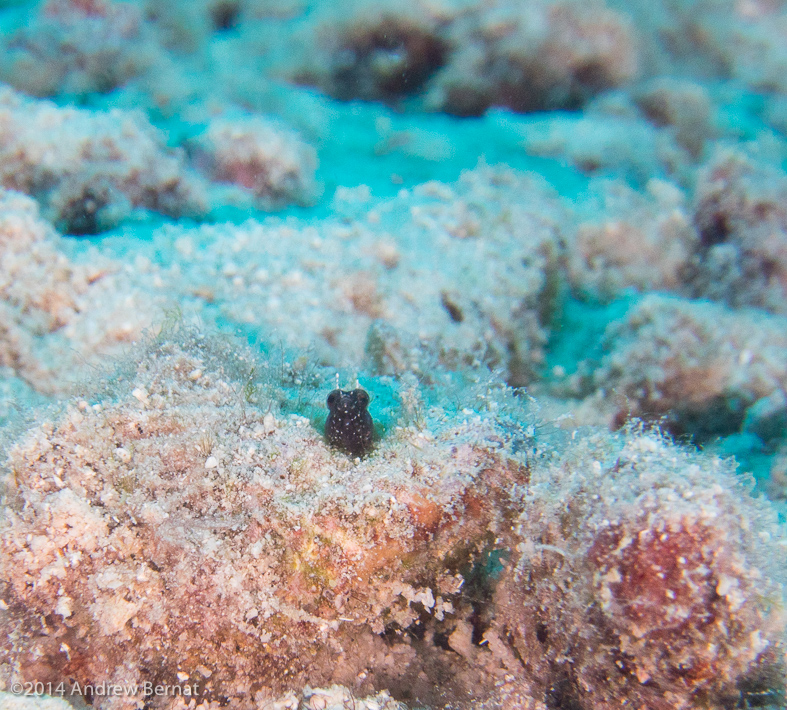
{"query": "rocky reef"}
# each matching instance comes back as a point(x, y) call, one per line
point(546, 237)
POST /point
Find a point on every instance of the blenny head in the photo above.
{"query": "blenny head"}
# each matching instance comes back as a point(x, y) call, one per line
point(349, 425)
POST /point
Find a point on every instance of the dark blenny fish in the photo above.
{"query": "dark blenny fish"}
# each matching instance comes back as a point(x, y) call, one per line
point(349, 426)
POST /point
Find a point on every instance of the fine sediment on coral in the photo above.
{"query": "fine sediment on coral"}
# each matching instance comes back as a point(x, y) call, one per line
point(78, 47)
point(631, 241)
point(57, 314)
point(179, 524)
point(698, 365)
point(379, 290)
point(742, 223)
point(91, 169)
point(641, 582)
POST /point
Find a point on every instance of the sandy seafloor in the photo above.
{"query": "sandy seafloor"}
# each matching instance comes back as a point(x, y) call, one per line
point(549, 238)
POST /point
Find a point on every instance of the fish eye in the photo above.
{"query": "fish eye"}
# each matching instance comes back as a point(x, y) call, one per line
point(333, 398)
point(362, 397)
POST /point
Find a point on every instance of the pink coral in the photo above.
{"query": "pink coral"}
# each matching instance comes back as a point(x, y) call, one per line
point(643, 582)
point(270, 161)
